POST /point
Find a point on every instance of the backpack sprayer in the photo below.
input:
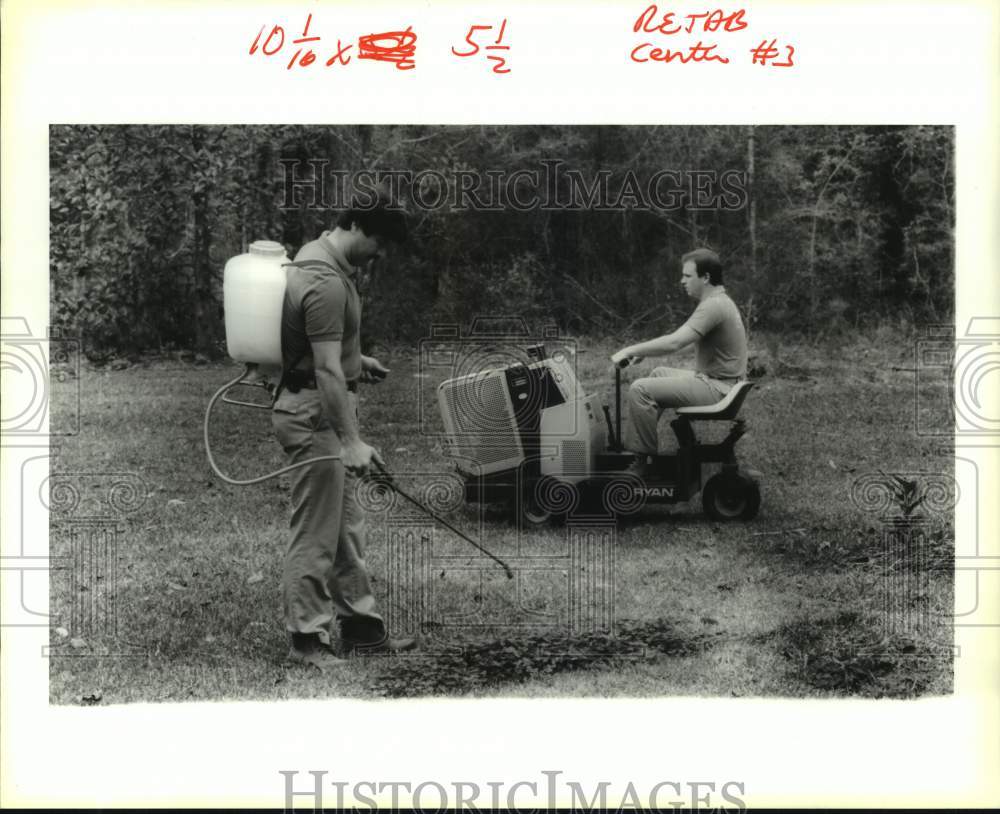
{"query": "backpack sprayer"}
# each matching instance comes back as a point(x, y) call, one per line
point(253, 290)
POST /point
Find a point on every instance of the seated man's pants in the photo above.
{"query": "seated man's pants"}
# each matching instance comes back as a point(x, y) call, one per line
point(666, 387)
point(324, 573)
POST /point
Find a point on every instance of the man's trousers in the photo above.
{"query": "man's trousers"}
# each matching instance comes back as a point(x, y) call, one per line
point(667, 387)
point(324, 578)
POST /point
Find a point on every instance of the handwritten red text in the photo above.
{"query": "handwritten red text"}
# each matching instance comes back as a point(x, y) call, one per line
point(709, 21)
point(396, 47)
point(695, 53)
point(674, 25)
point(471, 47)
point(769, 51)
point(390, 46)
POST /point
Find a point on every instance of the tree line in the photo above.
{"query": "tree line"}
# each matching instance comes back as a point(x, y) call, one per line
point(819, 227)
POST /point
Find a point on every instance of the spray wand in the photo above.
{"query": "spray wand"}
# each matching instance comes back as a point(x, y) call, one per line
point(384, 476)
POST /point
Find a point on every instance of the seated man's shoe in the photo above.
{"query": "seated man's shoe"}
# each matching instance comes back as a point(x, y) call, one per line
point(380, 647)
point(308, 650)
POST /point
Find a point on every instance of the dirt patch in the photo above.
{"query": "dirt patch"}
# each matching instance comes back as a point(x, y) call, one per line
point(493, 663)
point(851, 655)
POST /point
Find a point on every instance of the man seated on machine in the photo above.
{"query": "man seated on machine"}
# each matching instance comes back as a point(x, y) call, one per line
point(717, 331)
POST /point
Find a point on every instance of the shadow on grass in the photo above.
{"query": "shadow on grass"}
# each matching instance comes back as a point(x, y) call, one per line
point(850, 655)
point(506, 661)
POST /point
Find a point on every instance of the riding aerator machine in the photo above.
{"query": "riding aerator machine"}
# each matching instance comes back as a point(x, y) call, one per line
point(529, 436)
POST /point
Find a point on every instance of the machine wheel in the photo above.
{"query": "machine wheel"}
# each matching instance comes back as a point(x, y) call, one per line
point(731, 497)
point(547, 500)
point(531, 513)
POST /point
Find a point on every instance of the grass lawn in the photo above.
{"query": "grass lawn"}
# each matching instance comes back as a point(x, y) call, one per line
point(785, 605)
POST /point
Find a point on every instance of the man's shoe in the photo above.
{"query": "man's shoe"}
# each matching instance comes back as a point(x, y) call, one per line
point(386, 645)
point(308, 650)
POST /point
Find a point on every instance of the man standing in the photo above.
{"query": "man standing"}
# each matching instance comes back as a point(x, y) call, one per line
point(717, 331)
point(325, 583)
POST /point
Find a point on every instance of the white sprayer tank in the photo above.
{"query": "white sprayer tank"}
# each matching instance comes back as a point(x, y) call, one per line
point(253, 288)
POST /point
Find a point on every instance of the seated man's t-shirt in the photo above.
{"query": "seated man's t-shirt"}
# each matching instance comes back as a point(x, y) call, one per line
point(321, 305)
point(722, 343)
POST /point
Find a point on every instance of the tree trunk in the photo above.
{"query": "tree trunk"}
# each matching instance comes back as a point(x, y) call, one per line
point(204, 318)
point(204, 313)
point(752, 210)
point(811, 266)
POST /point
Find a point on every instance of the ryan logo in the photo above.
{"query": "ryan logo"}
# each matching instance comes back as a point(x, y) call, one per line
point(654, 491)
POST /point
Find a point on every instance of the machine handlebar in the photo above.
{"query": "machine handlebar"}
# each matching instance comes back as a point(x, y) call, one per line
point(629, 360)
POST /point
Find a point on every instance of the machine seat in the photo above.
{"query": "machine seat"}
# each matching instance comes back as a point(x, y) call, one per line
point(725, 410)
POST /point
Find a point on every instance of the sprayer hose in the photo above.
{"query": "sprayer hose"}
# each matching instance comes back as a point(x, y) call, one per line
point(249, 482)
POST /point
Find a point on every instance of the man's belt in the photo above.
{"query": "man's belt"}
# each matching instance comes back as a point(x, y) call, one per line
point(296, 380)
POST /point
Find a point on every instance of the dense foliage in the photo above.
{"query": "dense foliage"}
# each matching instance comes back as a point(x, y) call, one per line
point(837, 225)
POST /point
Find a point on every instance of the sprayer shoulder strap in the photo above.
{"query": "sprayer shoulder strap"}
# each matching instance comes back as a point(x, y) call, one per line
point(302, 264)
